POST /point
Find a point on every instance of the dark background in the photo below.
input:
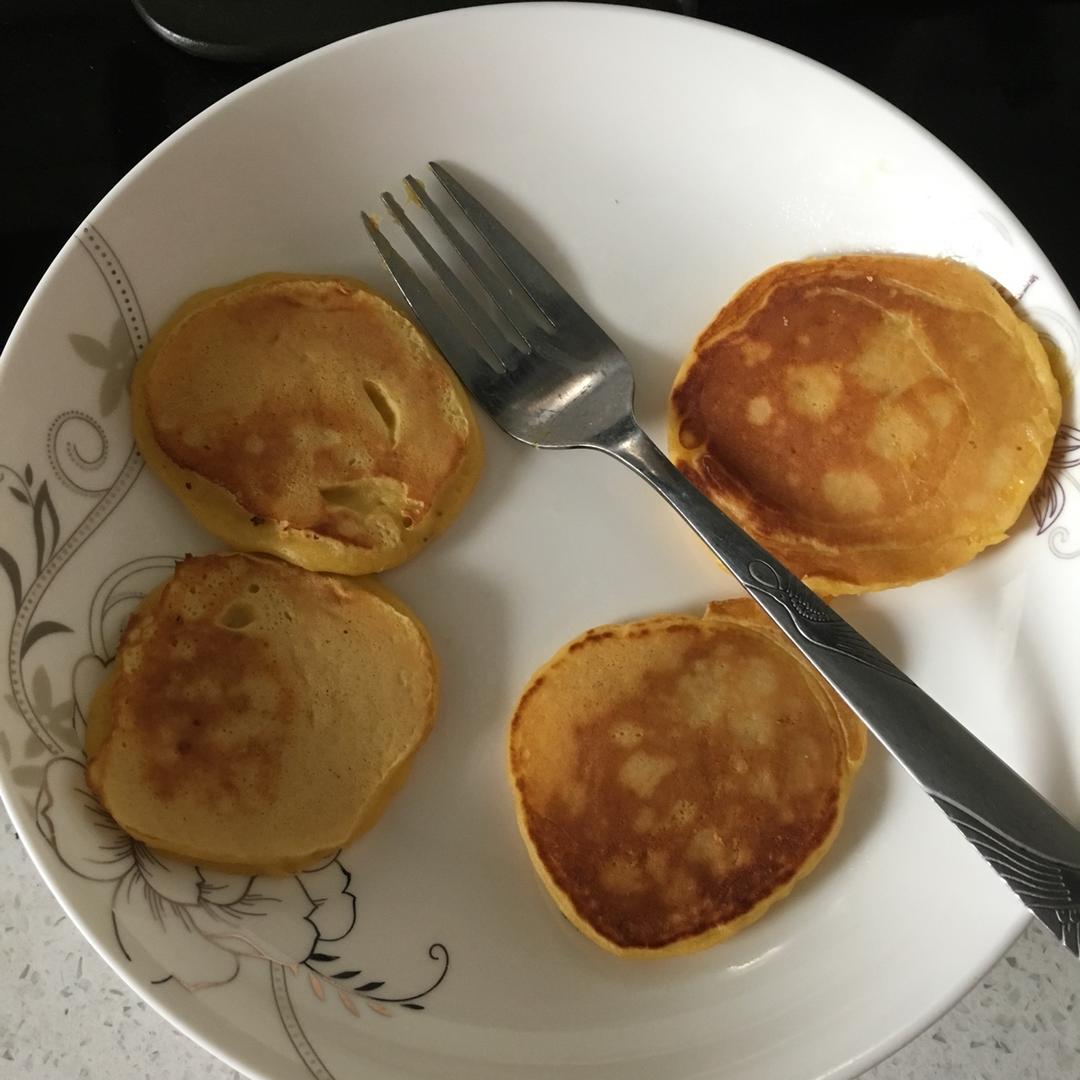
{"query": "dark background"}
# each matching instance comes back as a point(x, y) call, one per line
point(87, 88)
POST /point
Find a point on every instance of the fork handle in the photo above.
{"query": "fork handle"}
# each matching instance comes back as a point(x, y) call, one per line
point(1034, 848)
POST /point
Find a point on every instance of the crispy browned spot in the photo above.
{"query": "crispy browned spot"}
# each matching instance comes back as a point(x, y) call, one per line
point(210, 709)
point(312, 403)
point(872, 419)
point(674, 774)
point(259, 715)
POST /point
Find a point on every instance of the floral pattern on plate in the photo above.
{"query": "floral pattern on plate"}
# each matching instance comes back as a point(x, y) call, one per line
point(172, 921)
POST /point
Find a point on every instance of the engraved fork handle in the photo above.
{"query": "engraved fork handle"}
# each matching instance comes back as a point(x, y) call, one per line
point(1034, 848)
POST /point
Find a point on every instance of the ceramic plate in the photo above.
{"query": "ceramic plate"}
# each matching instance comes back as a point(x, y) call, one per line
point(655, 163)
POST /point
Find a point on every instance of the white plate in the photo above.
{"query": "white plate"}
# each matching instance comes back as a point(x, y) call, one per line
point(655, 163)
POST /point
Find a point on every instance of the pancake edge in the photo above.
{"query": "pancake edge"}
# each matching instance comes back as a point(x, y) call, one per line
point(218, 511)
point(953, 551)
point(99, 729)
point(856, 740)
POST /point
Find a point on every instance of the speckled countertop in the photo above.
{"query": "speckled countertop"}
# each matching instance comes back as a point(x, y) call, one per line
point(64, 1013)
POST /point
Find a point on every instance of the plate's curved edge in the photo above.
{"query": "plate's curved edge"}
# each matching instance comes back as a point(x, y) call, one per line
point(31, 816)
point(24, 824)
point(523, 10)
point(902, 1036)
point(22, 817)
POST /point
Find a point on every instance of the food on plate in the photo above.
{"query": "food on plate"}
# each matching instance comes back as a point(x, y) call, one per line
point(675, 777)
point(307, 418)
point(259, 716)
point(873, 420)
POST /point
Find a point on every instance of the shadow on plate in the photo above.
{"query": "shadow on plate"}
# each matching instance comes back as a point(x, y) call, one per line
point(1061, 784)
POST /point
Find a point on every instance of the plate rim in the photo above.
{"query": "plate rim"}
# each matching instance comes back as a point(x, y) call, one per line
point(22, 818)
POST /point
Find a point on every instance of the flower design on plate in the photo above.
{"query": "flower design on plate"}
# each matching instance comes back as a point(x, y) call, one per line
point(200, 922)
point(172, 921)
point(1048, 499)
point(113, 359)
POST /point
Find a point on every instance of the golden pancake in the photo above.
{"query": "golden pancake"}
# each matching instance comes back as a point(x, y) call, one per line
point(307, 418)
point(873, 420)
point(675, 777)
point(258, 716)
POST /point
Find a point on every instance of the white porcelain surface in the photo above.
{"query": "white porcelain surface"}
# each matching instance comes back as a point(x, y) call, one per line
point(65, 1015)
point(655, 164)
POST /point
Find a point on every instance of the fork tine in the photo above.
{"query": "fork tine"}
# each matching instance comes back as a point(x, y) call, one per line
point(515, 307)
point(497, 341)
point(546, 293)
point(471, 368)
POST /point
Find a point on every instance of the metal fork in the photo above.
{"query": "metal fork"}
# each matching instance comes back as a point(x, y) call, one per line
point(561, 382)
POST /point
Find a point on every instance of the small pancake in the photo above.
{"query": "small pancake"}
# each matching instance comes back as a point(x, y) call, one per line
point(675, 777)
point(873, 420)
point(258, 716)
point(307, 418)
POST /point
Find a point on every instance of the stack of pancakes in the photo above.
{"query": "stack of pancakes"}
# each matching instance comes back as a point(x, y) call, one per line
point(258, 714)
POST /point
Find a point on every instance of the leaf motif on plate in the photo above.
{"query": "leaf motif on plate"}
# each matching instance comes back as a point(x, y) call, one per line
point(114, 360)
point(348, 1003)
point(1047, 502)
point(1065, 453)
point(33, 747)
point(27, 776)
point(40, 630)
point(1048, 499)
point(91, 351)
point(46, 526)
point(14, 575)
point(172, 921)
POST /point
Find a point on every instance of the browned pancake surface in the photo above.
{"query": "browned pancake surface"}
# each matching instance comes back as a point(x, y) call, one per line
point(258, 715)
point(874, 420)
point(306, 417)
point(676, 775)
